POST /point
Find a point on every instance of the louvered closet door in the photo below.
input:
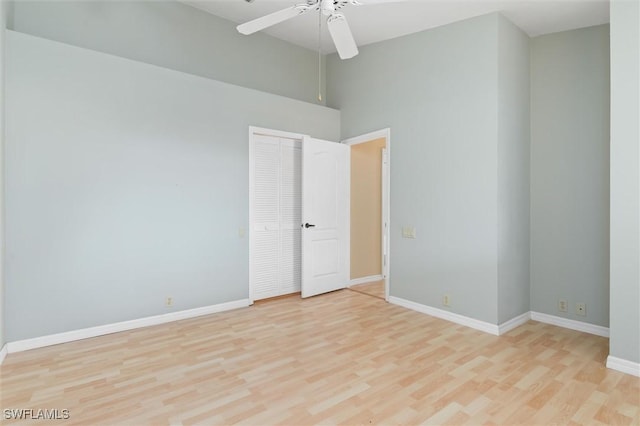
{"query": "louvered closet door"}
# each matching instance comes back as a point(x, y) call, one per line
point(275, 267)
point(290, 215)
point(266, 221)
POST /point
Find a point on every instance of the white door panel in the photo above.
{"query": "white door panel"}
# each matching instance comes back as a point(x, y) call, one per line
point(275, 215)
point(290, 215)
point(325, 216)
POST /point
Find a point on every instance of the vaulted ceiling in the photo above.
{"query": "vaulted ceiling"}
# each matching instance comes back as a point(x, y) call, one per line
point(389, 19)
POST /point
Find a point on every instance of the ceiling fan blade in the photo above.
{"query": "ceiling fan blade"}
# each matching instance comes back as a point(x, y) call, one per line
point(272, 19)
point(342, 37)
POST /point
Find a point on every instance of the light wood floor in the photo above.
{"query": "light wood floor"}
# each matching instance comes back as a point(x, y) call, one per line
point(341, 358)
point(375, 289)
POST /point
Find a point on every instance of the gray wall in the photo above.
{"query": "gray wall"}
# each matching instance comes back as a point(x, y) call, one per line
point(625, 180)
point(437, 91)
point(513, 171)
point(3, 20)
point(175, 36)
point(126, 183)
point(570, 173)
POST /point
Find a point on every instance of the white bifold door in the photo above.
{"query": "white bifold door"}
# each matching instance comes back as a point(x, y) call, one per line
point(300, 203)
point(276, 206)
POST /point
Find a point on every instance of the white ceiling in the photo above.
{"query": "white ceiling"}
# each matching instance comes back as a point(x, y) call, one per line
point(389, 19)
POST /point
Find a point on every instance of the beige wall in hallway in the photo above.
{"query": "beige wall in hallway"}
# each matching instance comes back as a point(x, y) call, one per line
point(366, 208)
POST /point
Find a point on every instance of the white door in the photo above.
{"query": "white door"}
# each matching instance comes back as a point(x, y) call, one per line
point(325, 216)
point(275, 215)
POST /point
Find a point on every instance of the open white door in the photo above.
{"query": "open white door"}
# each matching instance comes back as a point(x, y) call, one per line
point(325, 216)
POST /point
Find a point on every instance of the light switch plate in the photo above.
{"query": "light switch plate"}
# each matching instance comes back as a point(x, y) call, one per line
point(408, 232)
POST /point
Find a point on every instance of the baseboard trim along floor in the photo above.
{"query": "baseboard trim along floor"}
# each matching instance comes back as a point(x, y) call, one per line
point(85, 333)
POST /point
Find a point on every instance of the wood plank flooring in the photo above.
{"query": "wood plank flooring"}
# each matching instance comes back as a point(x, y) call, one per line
point(375, 289)
point(341, 358)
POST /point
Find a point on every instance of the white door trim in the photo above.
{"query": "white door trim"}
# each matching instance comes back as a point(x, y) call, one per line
point(386, 193)
point(253, 131)
point(365, 280)
point(275, 133)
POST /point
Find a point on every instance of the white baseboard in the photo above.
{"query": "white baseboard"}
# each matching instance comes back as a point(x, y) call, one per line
point(365, 280)
point(446, 315)
point(3, 353)
point(570, 324)
point(623, 365)
point(85, 333)
point(513, 323)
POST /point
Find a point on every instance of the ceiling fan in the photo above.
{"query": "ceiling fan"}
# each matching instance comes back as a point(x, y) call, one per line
point(336, 22)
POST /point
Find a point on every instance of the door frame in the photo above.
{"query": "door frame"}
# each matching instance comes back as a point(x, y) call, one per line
point(386, 197)
point(253, 131)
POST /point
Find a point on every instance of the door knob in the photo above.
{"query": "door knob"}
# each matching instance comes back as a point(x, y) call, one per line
point(308, 225)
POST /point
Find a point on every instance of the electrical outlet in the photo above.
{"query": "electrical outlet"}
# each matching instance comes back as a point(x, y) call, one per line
point(241, 232)
point(169, 301)
point(563, 306)
point(446, 300)
point(581, 309)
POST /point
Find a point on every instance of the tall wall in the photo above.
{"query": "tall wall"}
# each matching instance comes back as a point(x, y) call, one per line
point(176, 36)
point(625, 181)
point(570, 173)
point(438, 91)
point(513, 171)
point(127, 183)
point(3, 20)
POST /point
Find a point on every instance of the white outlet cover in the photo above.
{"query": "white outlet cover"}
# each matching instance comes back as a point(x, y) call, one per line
point(408, 232)
point(563, 305)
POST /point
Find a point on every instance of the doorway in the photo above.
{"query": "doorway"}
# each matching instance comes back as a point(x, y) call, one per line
point(370, 154)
